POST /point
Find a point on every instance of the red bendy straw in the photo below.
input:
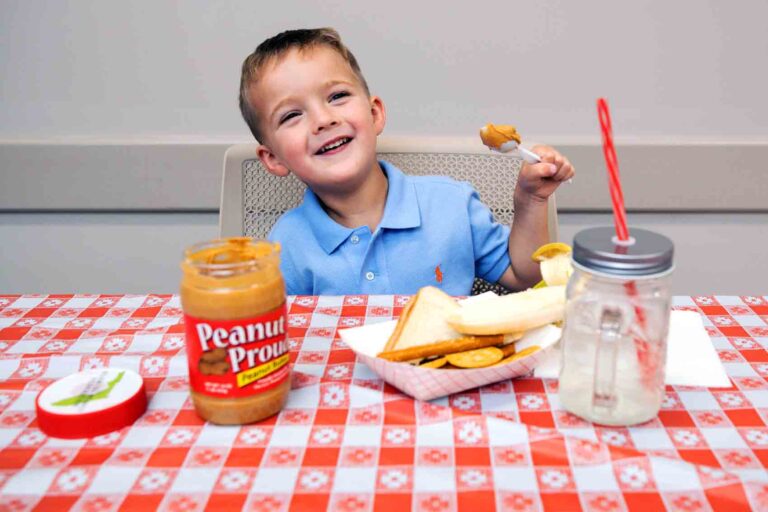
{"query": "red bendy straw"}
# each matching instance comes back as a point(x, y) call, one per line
point(645, 354)
point(614, 184)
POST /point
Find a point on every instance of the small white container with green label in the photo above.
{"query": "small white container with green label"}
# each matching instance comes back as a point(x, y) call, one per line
point(91, 403)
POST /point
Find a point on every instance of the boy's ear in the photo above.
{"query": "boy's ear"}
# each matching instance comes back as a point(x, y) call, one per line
point(271, 162)
point(379, 113)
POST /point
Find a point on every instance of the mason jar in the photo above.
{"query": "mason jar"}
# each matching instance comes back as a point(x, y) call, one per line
point(614, 340)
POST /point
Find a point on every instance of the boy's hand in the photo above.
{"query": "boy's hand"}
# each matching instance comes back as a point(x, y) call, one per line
point(540, 180)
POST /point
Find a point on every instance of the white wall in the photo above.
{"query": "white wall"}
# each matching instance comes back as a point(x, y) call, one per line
point(169, 70)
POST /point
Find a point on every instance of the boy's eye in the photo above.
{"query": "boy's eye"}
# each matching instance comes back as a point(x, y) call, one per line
point(338, 95)
point(288, 116)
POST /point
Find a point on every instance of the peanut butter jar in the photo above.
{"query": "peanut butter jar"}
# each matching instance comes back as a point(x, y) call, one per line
point(233, 297)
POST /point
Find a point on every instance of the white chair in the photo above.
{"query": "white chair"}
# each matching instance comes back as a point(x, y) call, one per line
point(252, 199)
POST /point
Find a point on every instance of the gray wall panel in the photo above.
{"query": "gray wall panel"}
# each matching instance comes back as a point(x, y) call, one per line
point(139, 253)
point(172, 177)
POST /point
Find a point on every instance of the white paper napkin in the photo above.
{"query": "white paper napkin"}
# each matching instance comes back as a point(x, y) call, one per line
point(691, 358)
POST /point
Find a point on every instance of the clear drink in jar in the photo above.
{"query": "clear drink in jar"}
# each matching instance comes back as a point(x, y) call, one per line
point(615, 332)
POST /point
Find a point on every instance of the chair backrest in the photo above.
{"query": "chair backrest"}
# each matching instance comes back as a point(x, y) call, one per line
point(252, 199)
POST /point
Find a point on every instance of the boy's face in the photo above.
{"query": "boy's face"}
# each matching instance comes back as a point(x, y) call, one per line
point(317, 120)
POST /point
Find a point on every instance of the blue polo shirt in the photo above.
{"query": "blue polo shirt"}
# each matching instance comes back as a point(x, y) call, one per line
point(434, 231)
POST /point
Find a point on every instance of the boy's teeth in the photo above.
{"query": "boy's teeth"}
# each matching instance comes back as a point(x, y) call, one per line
point(333, 145)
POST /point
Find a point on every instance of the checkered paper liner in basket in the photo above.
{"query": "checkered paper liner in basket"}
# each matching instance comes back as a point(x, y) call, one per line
point(428, 383)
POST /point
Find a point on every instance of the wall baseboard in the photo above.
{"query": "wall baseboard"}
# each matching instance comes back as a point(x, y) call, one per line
point(187, 177)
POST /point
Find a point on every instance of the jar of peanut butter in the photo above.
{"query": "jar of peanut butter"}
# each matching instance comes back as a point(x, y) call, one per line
point(233, 297)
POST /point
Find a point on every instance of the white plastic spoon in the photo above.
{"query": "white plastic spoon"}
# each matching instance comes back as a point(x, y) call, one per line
point(525, 153)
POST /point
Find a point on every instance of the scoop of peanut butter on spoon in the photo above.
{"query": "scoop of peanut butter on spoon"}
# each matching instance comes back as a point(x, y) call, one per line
point(495, 135)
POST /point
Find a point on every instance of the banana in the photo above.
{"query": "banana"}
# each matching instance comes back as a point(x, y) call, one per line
point(511, 313)
point(557, 270)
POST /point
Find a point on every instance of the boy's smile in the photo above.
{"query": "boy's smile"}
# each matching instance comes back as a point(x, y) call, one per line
point(317, 120)
point(334, 146)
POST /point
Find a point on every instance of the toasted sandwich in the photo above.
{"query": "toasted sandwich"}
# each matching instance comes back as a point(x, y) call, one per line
point(424, 320)
point(423, 331)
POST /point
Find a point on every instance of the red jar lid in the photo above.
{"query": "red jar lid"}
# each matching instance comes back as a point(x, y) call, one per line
point(91, 403)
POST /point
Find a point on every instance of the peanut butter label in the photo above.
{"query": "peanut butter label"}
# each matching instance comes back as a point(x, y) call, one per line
point(237, 358)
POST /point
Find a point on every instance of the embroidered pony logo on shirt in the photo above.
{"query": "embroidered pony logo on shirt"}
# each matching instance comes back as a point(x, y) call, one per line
point(438, 274)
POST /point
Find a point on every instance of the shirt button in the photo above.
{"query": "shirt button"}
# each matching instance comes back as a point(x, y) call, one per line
point(354, 239)
point(369, 276)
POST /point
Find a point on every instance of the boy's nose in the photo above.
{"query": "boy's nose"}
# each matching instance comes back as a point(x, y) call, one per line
point(324, 120)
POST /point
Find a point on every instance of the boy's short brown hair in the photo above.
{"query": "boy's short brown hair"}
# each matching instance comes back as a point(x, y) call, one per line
point(277, 46)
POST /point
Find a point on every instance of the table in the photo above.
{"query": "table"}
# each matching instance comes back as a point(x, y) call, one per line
point(347, 441)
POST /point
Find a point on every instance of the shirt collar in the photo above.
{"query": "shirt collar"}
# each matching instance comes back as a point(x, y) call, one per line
point(328, 233)
point(401, 210)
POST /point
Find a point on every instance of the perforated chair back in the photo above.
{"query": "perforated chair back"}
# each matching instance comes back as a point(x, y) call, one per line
point(252, 199)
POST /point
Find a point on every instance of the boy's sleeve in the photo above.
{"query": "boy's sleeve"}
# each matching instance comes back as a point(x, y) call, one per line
point(490, 241)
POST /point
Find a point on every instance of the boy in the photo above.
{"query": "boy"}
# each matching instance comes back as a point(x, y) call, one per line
point(364, 227)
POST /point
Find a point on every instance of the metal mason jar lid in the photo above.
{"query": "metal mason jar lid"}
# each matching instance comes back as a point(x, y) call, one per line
point(645, 254)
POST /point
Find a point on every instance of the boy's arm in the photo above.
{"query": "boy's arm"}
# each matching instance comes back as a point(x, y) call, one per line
point(529, 227)
point(529, 232)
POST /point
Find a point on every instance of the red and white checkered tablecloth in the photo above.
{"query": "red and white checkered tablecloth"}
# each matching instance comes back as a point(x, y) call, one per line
point(346, 441)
